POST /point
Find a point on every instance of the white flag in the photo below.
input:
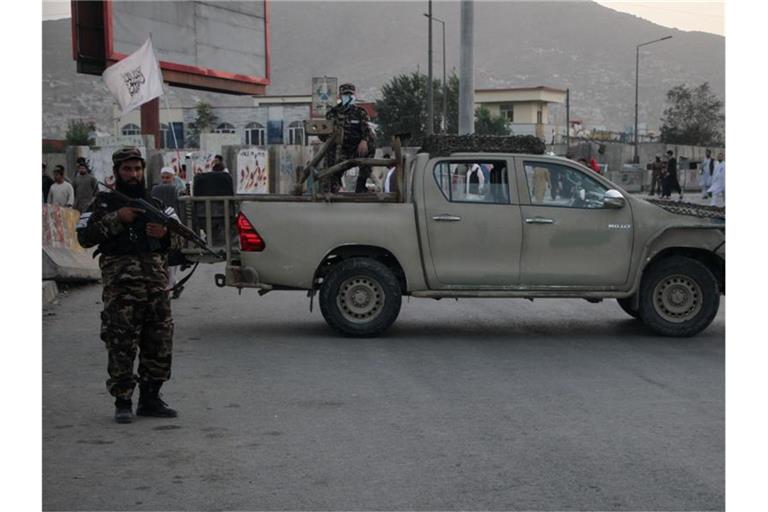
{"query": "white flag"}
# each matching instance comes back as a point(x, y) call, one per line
point(136, 79)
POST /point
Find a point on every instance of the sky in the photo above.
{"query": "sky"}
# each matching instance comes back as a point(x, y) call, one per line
point(701, 16)
point(680, 14)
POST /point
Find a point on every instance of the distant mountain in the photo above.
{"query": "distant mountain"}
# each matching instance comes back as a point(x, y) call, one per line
point(578, 45)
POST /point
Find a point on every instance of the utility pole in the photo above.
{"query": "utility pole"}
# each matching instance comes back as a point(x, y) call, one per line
point(430, 94)
point(466, 71)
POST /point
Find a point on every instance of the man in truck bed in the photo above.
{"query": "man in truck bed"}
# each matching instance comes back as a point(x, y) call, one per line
point(358, 137)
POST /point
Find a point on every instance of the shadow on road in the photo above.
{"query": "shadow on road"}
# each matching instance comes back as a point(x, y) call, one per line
point(619, 332)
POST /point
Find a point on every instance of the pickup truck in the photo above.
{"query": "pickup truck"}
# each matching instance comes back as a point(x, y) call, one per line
point(478, 225)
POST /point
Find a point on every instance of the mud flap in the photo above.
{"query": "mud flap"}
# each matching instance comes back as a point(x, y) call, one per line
point(311, 295)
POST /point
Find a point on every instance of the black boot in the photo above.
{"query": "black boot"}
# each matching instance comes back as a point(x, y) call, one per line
point(150, 403)
point(123, 410)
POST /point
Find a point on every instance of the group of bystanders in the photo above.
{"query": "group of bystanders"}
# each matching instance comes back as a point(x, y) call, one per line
point(664, 179)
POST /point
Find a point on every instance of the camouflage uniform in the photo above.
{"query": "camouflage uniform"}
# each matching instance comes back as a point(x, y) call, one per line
point(137, 308)
point(355, 121)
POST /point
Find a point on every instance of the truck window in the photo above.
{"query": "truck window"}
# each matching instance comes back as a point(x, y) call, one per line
point(559, 185)
point(473, 182)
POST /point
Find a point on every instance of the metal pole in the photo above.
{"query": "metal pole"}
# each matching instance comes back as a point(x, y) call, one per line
point(636, 158)
point(445, 88)
point(430, 100)
point(568, 122)
point(466, 71)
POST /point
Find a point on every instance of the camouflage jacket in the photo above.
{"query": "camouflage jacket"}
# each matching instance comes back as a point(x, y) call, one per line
point(355, 121)
point(100, 226)
point(126, 250)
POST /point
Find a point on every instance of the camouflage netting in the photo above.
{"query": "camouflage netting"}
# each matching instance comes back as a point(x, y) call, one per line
point(443, 145)
point(697, 210)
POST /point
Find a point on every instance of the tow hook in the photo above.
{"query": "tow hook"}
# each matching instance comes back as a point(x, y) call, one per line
point(220, 280)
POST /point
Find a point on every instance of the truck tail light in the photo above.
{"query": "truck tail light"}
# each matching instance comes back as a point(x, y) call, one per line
point(250, 240)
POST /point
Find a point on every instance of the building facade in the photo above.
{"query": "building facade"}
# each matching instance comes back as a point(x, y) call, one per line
point(259, 121)
point(526, 109)
point(267, 120)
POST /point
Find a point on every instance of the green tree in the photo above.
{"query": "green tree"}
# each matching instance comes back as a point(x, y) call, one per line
point(204, 121)
point(77, 132)
point(693, 116)
point(486, 124)
point(403, 107)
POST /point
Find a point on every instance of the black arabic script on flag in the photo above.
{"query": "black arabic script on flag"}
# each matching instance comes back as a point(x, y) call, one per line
point(133, 80)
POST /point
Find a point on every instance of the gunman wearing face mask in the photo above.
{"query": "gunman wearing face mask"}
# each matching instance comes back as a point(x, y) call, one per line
point(358, 139)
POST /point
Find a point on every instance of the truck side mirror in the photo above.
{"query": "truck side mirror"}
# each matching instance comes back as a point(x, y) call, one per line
point(613, 199)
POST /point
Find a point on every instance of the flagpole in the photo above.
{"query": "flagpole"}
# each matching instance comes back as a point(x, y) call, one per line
point(170, 126)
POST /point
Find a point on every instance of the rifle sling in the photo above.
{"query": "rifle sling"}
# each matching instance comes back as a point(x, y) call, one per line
point(183, 280)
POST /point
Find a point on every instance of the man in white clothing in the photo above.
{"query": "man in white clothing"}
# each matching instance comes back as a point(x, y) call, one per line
point(61, 192)
point(475, 180)
point(390, 178)
point(717, 188)
point(705, 173)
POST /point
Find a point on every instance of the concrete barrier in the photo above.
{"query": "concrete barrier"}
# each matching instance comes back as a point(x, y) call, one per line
point(63, 257)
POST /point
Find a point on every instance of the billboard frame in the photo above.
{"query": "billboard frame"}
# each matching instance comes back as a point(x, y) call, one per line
point(184, 75)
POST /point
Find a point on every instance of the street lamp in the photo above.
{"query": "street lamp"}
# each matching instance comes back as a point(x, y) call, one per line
point(636, 159)
point(430, 99)
point(444, 124)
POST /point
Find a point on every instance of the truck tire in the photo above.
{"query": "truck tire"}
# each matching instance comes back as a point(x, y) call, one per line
point(360, 297)
point(626, 305)
point(678, 297)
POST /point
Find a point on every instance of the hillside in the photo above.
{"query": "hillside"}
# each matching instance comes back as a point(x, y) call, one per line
point(581, 45)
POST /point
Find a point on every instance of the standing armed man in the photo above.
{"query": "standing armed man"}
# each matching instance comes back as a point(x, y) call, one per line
point(137, 309)
point(358, 137)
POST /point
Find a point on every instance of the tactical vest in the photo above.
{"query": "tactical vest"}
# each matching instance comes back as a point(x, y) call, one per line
point(132, 240)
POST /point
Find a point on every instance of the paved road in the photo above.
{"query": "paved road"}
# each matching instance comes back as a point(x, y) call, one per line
point(476, 404)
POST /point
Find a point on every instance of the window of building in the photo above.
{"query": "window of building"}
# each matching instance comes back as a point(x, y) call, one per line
point(296, 133)
point(508, 111)
point(224, 128)
point(170, 139)
point(559, 185)
point(254, 134)
point(476, 182)
point(539, 117)
point(130, 129)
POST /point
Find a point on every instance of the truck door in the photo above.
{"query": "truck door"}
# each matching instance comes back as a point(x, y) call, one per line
point(473, 227)
point(570, 238)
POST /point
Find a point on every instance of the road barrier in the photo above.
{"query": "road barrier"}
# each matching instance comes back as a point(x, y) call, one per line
point(63, 257)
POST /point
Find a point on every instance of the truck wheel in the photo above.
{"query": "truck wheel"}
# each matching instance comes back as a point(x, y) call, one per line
point(626, 305)
point(678, 297)
point(360, 297)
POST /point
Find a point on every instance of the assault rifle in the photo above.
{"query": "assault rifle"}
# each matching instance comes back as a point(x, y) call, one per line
point(157, 216)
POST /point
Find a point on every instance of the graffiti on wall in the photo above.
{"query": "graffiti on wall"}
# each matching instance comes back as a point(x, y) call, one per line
point(252, 171)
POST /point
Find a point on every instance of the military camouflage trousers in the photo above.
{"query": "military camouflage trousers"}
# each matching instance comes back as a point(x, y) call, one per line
point(136, 320)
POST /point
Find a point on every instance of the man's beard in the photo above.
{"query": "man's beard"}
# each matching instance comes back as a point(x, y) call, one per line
point(134, 190)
